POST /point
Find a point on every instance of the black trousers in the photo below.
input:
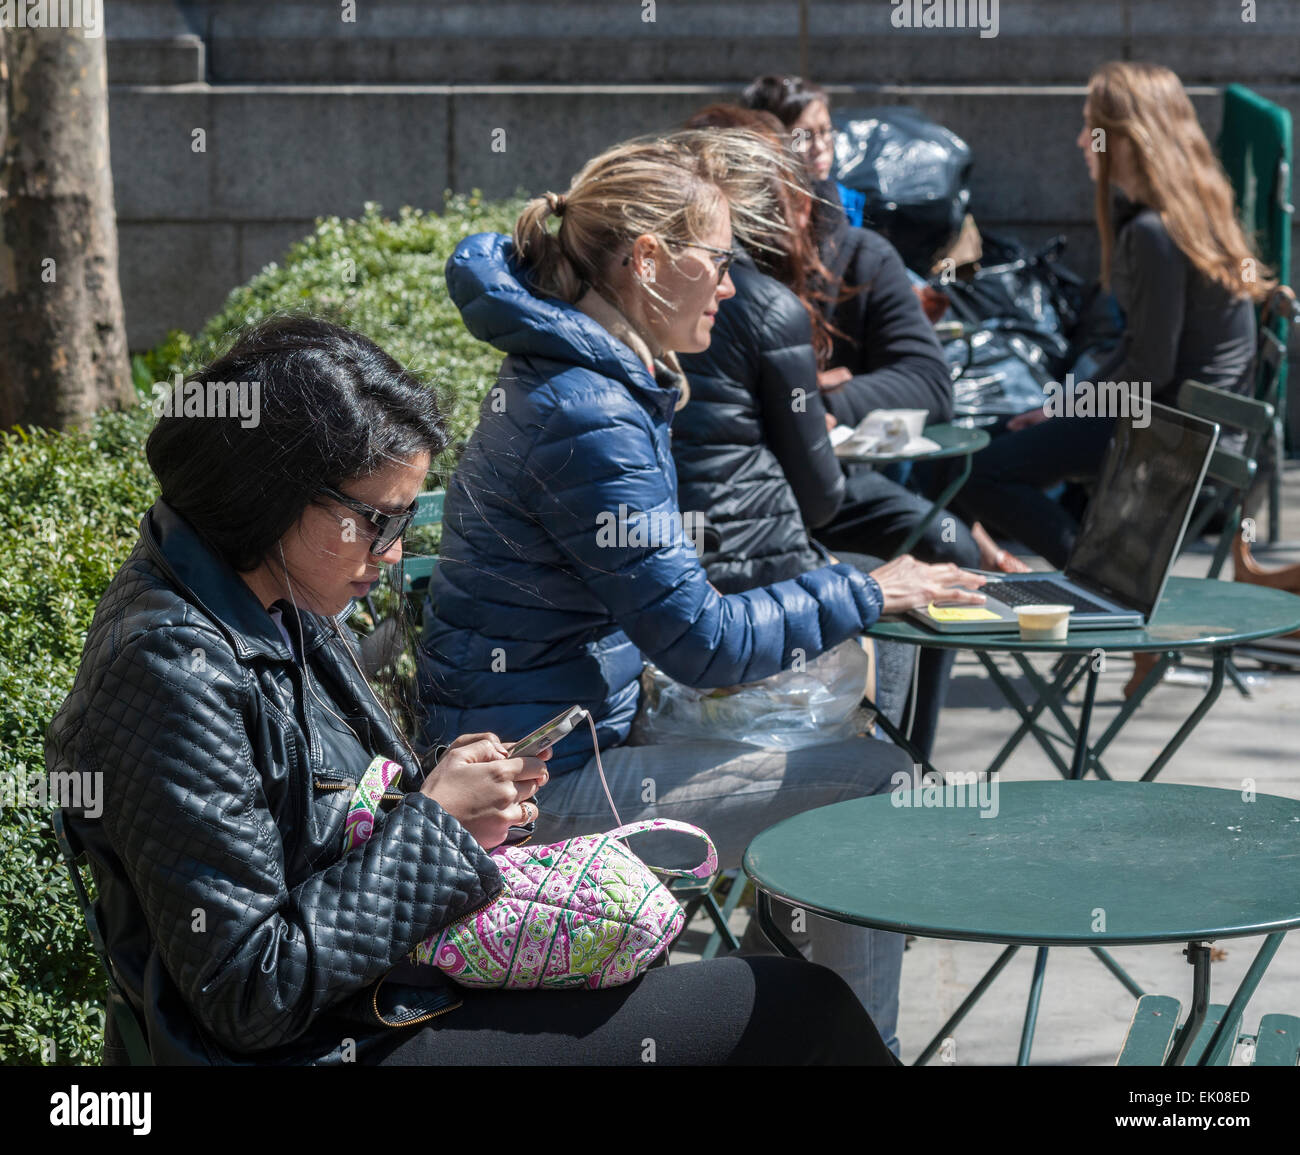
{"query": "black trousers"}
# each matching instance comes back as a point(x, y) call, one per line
point(1005, 490)
point(736, 1010)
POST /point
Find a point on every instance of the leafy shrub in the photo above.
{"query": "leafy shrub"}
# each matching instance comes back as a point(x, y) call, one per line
point(382, 278)
point(69, 516)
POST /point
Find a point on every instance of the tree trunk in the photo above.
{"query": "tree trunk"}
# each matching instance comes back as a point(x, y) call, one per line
point(63, 350)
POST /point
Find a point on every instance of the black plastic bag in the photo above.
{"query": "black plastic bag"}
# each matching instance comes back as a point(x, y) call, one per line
point(914, 173)
point(1013, 317)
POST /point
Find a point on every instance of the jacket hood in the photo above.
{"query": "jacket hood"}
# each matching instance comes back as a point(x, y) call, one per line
point(493, 292)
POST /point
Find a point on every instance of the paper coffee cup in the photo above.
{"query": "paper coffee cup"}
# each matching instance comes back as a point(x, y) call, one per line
point(1043, 623)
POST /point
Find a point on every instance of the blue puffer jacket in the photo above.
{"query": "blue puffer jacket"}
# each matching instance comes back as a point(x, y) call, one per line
point(563, 562)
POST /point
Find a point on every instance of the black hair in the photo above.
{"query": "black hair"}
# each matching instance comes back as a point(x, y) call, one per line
point(331, 407)
point(784, 96)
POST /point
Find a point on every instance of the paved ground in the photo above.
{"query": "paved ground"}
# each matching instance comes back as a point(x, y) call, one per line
point(1084, 1012)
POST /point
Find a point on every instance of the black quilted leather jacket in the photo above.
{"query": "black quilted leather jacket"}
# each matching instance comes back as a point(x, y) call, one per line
point(240, 931)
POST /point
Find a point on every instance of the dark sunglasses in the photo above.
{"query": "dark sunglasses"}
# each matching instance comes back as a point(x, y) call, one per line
point(388, 526)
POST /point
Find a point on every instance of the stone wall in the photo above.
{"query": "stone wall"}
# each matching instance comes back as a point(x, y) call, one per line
point(305, 114)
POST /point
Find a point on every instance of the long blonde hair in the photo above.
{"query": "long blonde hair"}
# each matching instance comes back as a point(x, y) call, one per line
point(1178, 174)
point(667, 186)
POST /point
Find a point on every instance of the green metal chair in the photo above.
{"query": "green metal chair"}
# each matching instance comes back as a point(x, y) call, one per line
point(416, 571)
point(695, 894)
point(1255, 150)
point(1154, 1032)
point(1233, 471)
point(129, 1028)
point(416, 574)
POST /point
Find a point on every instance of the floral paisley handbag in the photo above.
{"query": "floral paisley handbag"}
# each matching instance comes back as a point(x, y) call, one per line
point(582, 913)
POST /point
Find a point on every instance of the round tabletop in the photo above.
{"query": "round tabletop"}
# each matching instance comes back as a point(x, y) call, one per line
point(953, 441)
point(1044, 863)
point(1193, 612)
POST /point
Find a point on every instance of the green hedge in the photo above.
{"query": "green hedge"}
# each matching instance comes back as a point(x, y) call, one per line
point(69, 516)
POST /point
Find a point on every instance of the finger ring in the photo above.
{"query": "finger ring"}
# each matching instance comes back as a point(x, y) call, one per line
point(530, 812)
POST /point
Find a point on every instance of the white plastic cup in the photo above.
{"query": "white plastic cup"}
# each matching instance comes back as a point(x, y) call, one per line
point(1043, 623)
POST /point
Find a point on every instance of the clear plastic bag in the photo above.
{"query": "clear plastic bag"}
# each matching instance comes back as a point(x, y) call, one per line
point(822, 702)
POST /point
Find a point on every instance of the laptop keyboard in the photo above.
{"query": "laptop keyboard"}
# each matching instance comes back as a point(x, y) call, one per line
point(1035, 593)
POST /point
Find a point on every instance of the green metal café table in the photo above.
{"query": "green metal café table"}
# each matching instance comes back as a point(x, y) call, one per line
point(1057, 863)
point(1194, 614)
point(953, 441)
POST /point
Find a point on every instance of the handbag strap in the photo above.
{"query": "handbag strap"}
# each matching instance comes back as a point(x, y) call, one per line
point(706, 869)
point(379, 776)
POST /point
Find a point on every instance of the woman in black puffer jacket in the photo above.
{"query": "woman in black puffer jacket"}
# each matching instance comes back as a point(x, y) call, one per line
point(752, 449)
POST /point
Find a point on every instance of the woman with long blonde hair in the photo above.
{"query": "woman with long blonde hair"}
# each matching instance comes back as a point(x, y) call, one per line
point(564, 560)
point(1184, 275)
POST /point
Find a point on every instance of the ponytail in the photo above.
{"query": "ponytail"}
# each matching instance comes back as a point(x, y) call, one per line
point(550, 267)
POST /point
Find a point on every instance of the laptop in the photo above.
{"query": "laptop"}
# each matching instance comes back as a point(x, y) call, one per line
point(1131, 534)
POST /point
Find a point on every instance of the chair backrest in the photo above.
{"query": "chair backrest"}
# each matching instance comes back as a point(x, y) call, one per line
point(119, 1009)
point(417, 571)
point(1255, 150)
point(1234, 470)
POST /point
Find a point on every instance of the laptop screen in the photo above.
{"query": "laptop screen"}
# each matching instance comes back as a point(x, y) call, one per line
point(1136, 519)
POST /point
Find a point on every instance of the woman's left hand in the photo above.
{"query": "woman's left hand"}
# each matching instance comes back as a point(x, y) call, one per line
point(1025, 420)
point(993, 558)
point(484, 789)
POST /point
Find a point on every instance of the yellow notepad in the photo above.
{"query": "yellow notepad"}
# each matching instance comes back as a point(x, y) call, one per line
point(961, 613)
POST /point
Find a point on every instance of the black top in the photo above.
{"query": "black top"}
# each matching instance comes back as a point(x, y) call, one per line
point(750, 447)
point(1179, 325)
point(888, 344)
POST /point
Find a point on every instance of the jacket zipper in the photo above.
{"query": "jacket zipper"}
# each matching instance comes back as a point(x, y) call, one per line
point(433, 1014)
point(387, 796)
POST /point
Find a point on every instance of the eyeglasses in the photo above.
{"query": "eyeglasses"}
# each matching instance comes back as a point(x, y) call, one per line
point(389, 527)
point(722, 262)
point(802, 137)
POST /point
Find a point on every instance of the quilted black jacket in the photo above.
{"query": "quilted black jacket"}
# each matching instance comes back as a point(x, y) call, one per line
point(240, 932)
point(750, 445)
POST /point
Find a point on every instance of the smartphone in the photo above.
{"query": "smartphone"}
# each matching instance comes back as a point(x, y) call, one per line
point(549, 734)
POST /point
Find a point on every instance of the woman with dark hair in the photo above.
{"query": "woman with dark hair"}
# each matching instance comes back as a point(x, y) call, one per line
point(220, 699)
point(883, 355)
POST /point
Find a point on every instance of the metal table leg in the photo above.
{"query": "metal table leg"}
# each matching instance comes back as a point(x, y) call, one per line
point(1130, 707)
point(1079, 766)
point(1211, 694)
point(1198, 954)
point(1219, 1050)
point(896, 736)
point(1049, 698)
point(1028, 714)
point(768, 926)
point(1119, 972)
point(1031, 1009)
point(950, 491)
point(969, 1001)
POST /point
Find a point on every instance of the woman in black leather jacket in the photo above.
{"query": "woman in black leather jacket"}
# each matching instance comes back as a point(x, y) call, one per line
point(220, 698)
